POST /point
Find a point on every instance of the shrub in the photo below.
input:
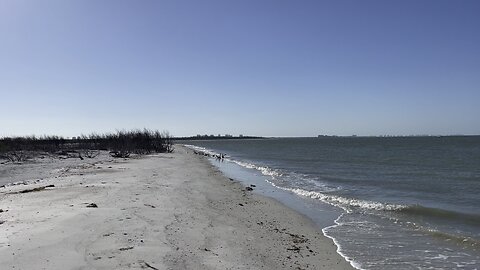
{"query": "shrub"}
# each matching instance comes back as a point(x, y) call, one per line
point(121, 143)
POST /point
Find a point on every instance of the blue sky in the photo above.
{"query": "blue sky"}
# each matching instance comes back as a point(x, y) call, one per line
point(269, 68)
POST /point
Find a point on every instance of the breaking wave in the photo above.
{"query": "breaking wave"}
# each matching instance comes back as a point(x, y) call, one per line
point(347, 204)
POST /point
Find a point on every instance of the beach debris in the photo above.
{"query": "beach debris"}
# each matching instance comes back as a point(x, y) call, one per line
point(125, 248)
point(17, 156)
point(253, 185)
point(2, 221)
point(145, 264)
point(90, 153)
point(209, 250)
point(294, 248)
point(33, 189)
point(92, 205)
point(149, 205)
point(241, 204)
point(249, 188)
point(120, 154)
point(297, 239)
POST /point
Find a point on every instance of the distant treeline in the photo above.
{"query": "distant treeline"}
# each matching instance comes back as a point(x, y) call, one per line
point(120, 143)
point(211, 137)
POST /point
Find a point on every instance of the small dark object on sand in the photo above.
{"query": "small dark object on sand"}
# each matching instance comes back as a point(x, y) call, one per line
point(32, 190)
point(149, 266)
point(294, 248)
point(120, 154)
point(253, 185)
point(92, 205)
point(35, 189)
point(125, 248)
point(249, 188)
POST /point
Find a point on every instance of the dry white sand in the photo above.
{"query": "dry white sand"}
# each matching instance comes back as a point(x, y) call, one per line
point(167, 211)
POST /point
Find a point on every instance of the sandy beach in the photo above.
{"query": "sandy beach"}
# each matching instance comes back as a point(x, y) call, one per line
point(164, 211)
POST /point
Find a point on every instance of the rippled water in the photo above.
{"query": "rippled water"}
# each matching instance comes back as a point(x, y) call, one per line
point(407, 203)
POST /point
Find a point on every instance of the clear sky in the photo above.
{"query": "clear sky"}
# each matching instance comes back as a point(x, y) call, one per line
point(258, 67)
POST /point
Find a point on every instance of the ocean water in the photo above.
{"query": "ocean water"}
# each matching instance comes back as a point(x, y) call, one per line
point(403, 203)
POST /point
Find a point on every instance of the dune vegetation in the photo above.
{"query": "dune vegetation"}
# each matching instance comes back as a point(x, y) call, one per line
point(119, 144)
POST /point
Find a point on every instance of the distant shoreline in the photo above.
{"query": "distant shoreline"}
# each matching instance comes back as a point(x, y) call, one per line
point(200, 138)
point(207, 138)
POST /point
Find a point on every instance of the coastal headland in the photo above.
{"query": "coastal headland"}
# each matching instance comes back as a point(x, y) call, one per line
point(159, 211)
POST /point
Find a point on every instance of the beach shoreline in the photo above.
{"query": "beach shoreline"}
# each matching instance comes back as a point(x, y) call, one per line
point(164, 211)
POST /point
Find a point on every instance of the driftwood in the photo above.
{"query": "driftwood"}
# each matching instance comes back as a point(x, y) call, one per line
point(120, 154)
point(32, 189)
point(16, 156)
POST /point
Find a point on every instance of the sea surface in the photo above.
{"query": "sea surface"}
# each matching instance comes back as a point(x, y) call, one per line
point(401, 203)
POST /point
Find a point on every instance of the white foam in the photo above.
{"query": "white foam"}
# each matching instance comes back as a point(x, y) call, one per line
point(347, 203)
point(338, 201)
point(263, 169)
point(354, 264)
point(202, 150)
